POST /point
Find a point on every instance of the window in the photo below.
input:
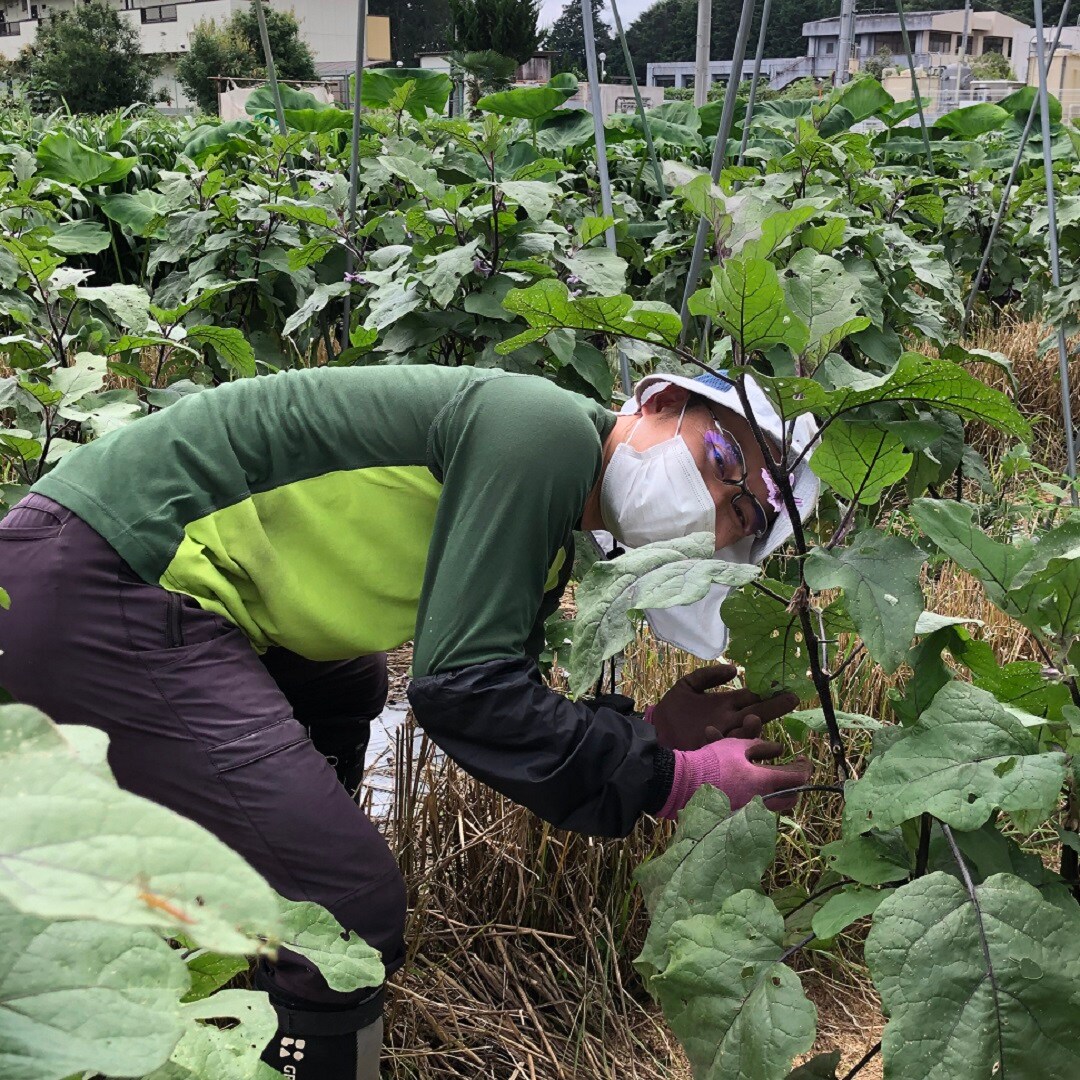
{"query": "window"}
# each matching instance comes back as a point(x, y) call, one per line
point(159, 13)
point(939, 42)
point(830, 48)
point(893, 42)
point(994, 44)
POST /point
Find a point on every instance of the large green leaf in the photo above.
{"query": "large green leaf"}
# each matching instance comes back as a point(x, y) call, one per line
point(443, 273)
point(527, 102)
point(977, 991)
point(859, 461)
point(345, 961)
point(880, 578)
point(915, 379)
point(746, 300)
point(872, 859)
point(736, 1010)
point(535, 196)
point(601, 271)
point(79, 238)
point(75, 846)
point(232, 348)
point(964, 757)
point(137, 211)
point(613, 594)
point(82, 995)
point(430, 92)
point(767, 640)
point(316, 302)
point(62, 157)
point(974, 120)
point(215, 1051)
point(826, 297)
point(714, 854)
point(568, 129)
point(845, 907)
point(547, 305)
point(952, 526)
point(129, 305)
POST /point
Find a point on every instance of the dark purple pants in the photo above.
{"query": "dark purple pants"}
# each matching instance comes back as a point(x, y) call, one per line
point(198, 722)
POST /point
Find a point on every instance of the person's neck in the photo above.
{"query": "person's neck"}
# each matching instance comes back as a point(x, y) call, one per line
point(591, 518)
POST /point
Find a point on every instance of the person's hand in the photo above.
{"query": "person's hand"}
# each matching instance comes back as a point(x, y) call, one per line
point(731, 765)
point(687, 717)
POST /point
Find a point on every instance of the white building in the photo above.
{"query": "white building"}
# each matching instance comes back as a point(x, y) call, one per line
point(328, 26)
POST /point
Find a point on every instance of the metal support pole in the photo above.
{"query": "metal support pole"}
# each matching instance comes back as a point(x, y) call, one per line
point(719, 150)
point(963, 48)
point(597, 106)
point(762, 31)
point(847, 41)
point(275, 90)
point(702, 78)
point(1055, 261)
point(649, 145)
point(1006, 192)
point(354, 159)
point(915, 92)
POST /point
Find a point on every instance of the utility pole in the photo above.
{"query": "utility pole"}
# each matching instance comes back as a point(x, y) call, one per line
point(847, 41)
point(702, 80)
point(963, 48)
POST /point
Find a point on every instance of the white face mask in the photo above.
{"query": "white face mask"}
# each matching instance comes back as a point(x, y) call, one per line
point(655, 494)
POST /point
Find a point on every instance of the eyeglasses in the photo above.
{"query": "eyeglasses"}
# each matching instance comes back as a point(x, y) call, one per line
point(726, 454)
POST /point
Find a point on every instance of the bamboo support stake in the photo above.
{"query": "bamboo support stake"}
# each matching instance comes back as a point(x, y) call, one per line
point(719, 150)
point(917, 95)
point(650, 147)
point(275, 90)
point(1006, 193)
point(354, 159)
point(762, 30)
point(597, 107)
point(1055, 259)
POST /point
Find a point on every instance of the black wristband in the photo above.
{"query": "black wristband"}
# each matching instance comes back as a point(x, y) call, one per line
point(662, 779)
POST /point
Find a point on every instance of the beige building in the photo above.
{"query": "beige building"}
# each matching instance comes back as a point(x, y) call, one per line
point(935, 36)
point(328, 26)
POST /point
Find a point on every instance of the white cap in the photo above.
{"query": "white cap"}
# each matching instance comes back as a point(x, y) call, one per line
point(698, 628)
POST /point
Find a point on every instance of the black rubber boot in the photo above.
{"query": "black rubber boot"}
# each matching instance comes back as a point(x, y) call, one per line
point(327, 1044)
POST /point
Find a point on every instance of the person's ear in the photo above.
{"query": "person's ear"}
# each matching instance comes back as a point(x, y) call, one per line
point(670, 399)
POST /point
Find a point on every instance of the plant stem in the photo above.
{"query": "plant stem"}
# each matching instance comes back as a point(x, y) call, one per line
point(864, 1060)
point(780, 478)
point(923, 856)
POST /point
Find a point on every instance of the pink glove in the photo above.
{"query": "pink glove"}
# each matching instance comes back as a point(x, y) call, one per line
point(730, 766)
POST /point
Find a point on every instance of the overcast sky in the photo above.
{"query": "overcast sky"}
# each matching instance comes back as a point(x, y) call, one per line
point(629, 10)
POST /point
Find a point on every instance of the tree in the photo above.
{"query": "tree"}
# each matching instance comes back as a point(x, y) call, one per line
point(235, 49)
point(90, 58)
point(991, 65)
point(508, 27)
point(876, 65)
point(567, 38)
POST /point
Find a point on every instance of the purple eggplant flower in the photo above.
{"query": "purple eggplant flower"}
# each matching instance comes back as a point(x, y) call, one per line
point(356, 279)
point(776, 500)
point(573, 279)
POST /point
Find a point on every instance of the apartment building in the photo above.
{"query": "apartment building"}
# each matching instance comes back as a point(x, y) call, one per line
point(328, 26)
point(935, 36)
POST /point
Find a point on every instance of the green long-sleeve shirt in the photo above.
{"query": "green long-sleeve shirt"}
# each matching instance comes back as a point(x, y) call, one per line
point(343, 511)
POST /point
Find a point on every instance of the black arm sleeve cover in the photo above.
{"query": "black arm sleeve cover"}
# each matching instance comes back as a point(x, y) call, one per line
point(594, 772)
